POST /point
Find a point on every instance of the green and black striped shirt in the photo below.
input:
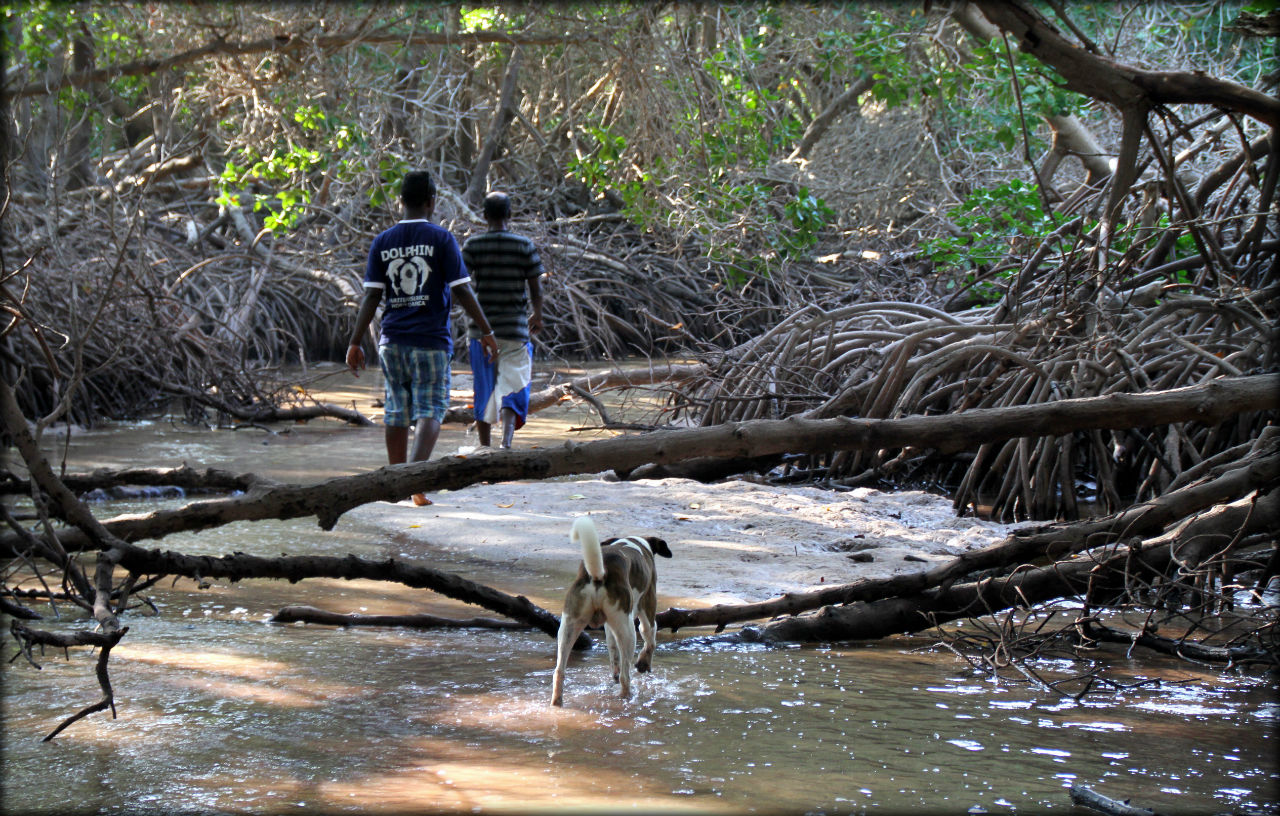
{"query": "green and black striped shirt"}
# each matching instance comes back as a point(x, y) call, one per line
point(500, 264)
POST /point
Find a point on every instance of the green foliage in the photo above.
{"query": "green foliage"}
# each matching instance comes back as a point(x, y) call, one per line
point(43, 34)
point(742, 220)
point(288, 169)
point(288, 172)
point(603, 165)
point(391, 171)
point(477, 19)
point(993, 222)
point(902, 74)
point(994, 121)
point(46, 28)
point(285, 171)
point(807, 215)
point(771, 238)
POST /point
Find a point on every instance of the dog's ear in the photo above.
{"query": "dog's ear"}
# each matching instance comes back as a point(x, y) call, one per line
point(658, 546)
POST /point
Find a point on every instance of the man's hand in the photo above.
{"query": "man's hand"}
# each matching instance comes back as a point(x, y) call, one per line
point(535, 322)
point(355, 359)
point(490, 344)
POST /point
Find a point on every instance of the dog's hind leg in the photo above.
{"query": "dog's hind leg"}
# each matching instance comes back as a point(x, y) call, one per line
point(565, 638)
point(615, 657)
point(618, 624)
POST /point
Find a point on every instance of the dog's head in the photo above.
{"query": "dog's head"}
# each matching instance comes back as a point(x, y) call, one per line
point(658, 546)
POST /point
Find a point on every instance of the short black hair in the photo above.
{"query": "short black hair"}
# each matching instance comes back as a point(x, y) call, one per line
point(497, 206)
point(418, 188)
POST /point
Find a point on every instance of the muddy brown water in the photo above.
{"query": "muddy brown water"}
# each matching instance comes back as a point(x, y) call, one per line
point(221, 711)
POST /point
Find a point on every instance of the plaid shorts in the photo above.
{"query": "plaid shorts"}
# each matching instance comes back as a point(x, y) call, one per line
point(417, 384)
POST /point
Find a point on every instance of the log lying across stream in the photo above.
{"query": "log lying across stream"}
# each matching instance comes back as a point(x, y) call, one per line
point(1043, 542)
point(1209, 403)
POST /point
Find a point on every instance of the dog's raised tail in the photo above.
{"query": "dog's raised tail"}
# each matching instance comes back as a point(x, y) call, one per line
point(584, 532)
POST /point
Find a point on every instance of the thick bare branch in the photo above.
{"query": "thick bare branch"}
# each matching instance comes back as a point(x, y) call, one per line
point(1124, 86)
point(281, 43)
point(1208, 403)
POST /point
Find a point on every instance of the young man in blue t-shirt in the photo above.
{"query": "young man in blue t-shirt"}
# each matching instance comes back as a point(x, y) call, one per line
point(417, 266)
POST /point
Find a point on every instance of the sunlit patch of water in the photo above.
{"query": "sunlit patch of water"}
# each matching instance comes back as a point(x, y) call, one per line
point(247, 715)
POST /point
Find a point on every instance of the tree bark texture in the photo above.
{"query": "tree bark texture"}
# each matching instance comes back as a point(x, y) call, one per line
point(1087, 797)
point(185, 477)
point(239, 566)
point(502, 117)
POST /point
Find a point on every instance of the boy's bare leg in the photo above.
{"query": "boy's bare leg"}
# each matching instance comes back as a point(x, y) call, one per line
point(424, 441)
point(508, 426)
point(397, 444)
point(482, 432)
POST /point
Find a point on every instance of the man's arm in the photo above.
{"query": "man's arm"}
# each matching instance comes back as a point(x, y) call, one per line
point(535, 304)
point(355, 350)
point(467, 299)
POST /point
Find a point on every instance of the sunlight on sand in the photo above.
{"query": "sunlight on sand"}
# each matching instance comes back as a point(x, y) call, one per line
point(735, 546)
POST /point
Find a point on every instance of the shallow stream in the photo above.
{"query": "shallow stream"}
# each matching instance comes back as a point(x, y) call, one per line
point(221, 711)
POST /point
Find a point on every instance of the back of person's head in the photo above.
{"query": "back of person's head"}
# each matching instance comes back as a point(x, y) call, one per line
point(418, 189)
point(497, 206)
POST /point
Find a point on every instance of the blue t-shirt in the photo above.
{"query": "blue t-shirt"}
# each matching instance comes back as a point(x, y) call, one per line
point(416, 264)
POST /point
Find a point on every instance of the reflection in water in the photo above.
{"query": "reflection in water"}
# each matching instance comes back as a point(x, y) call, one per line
point(222, 711)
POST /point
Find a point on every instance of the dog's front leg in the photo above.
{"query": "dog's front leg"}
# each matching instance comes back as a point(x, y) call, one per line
point(565, 637)
point(648, 610)
point(649, 633)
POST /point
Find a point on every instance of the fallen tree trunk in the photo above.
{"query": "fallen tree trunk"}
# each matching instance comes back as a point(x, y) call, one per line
point(185, 477)
point(239, 566)
point(1075, 577)
point(260, 412)
point(327, 501)
point(1087, 797)
point(1171, 646)
point(300, 413)
point(1120, 84)
point(1037, 543)
point(310, 614)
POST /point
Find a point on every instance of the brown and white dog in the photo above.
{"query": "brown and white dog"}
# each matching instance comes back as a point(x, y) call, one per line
point(616, 582)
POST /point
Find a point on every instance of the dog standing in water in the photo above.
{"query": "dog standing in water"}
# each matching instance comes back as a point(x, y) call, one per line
point(617, 583)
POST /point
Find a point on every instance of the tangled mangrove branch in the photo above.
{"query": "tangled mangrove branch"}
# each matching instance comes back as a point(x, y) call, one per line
point(1057, 327)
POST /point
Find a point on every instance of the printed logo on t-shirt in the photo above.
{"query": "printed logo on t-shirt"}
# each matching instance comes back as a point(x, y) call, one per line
point(407, 274)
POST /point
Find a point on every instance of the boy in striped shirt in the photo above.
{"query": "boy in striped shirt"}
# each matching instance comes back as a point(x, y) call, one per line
point(505, 271)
